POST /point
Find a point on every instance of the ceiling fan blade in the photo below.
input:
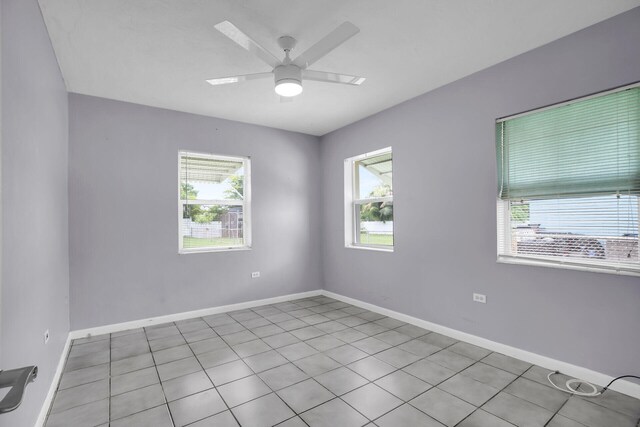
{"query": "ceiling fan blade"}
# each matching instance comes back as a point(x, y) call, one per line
point(246, 42)
point(329, 42)
point(324, 76)
point(237, 79)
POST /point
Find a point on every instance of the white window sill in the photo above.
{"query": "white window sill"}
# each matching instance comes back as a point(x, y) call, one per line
point(568, 265)
point(208, 250)
point(369, 248)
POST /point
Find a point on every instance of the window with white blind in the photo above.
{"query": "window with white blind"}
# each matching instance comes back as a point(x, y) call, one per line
point(369, 200)
point(214, 208)
point(569, 184)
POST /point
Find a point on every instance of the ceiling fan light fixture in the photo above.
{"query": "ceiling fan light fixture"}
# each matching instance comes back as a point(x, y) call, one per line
point(288, 87)
point(288, 80)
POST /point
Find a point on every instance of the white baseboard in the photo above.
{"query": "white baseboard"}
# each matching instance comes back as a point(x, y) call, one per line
point(589, 375)
point(54, 384)
point(117, 327)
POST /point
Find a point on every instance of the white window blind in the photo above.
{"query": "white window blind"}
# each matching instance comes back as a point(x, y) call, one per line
point(214, 208)
point(569, 183)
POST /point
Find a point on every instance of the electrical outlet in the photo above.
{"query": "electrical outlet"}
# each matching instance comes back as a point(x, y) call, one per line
point(46, 336)
point(480, 298)
point(255, 274)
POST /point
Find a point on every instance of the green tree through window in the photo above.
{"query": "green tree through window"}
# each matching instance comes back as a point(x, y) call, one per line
point(378, 211)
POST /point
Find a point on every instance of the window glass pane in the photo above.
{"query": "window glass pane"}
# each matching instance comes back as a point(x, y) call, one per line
point(375, 223)
point(232, 188)
point(374, 177)
point(598, 228)
point(211, 226)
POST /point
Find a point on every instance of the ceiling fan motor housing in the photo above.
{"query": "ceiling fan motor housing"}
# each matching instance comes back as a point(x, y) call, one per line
point(288, 74)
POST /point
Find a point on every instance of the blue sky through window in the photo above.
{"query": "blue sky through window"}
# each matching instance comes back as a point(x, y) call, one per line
point(368, 181)
point(214, 191)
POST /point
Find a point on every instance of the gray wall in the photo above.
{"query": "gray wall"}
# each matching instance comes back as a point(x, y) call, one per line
point(445, 176)
point(123, 213)
point(35, 276)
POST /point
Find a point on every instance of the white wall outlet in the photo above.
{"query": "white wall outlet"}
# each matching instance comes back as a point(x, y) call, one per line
point(46, 336)
point(480, 298)
point(255, 274)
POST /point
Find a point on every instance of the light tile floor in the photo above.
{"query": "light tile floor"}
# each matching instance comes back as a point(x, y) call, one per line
point(316, 362)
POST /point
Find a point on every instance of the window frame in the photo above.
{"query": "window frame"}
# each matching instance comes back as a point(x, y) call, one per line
point(245, 203)
point(503, 220)
point(352, 201)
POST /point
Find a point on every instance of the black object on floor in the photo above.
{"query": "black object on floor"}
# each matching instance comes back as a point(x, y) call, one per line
point(17, 379)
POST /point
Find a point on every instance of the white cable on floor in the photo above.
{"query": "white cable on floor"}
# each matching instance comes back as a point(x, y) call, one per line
point(572, 390)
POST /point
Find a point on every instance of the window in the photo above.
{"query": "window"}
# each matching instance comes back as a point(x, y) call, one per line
point(214, 202)
point(569, 184)
point(369, 201)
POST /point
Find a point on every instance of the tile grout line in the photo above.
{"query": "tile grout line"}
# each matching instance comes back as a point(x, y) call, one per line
point(313, 378)
point(297, 414)
point(257, 375)
point(503, 390)
point(135, 389)
point(492, 397)
point(166, 402)
point(341, 365)
point(198, 360)
point(50, 409)
point(321, 352)
point(525, 400)
point(304, 341)
point(518, 376)
point(558, 411)
point(350, 369)
point(151, 352)
point(444, 391)
point(205, 372)
point(171, 361)
point(155, 366)
point(368, 355)
point(239, 358)
point(404, 402)
point(422, 358)
point(402, 369)
point(373, 355)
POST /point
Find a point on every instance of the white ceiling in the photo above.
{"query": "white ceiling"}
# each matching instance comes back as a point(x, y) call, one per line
point(159, 52)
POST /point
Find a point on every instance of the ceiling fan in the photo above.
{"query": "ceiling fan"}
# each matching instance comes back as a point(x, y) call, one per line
point(289, 73)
